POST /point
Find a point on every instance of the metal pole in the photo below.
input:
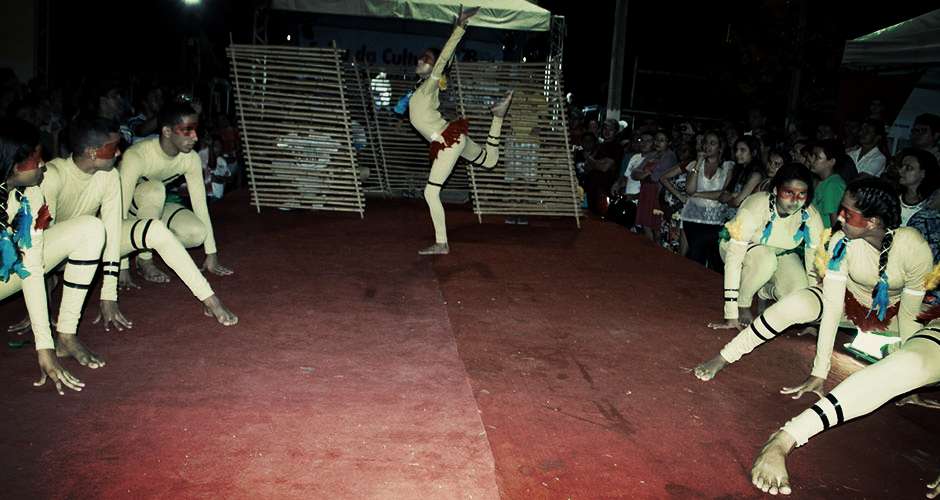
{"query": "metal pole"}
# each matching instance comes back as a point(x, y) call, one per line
point(618, 44)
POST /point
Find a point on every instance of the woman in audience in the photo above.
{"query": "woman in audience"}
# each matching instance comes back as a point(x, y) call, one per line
point(658, 162)
point(703, 214)
point(874, 274)
point(748, 173)
point(759, 247)
point(918, 178)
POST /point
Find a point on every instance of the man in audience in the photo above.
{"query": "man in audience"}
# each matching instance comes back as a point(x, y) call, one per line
point(867, 157)
point(926, 132)
point(146, 169)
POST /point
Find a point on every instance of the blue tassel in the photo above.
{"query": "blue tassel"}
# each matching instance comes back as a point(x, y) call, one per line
point(767, 229)
point(402, 106)
point(10, 261)
point(22, 224)
point(803, 232)
point(879, 304)
point(838, 253)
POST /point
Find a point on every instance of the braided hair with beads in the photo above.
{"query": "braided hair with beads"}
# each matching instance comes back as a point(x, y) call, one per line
point(875, 197)
point(18, 142)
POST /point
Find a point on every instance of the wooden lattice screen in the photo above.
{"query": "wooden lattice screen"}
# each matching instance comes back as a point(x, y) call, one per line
point(366, 138)
point(535, 174)
point(297, 128)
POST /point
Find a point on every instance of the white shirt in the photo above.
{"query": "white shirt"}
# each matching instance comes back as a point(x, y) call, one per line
point(704, 210)
point(873, 163)
point(633, 186)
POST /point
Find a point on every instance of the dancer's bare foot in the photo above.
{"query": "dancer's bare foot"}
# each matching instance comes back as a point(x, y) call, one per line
point(20, 327)
point(68, 346)
point(150, 271)
point(707, 370)
point(769, 472)
point(934, 488)
point(502, 107)
point(49, 368)
point(215, 308)
point(916, 400)
point(728, 324)
point(435, 249)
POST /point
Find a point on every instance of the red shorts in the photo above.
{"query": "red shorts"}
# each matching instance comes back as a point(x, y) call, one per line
point(450, 135)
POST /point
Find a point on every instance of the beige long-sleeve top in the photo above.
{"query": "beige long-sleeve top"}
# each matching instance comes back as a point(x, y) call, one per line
point(423, 107)
point(146, 160)
point(70, 193)
point(34, 285)
point(909, 262)
point(747, 228)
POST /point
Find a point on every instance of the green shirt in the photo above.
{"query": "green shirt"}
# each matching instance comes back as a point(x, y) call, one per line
point(828, 197)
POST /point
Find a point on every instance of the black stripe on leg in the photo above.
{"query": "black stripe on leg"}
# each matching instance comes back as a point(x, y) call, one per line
point(928, 337)
point(143, 238)
point(133, 228)
point(755, 332)
point(77, 262)
point(818, 296)
point(76, 286)
point(475, 160)
point(170, 220)
point(111, 273)
point(494, 144)
point(835, 404)
point(435, 184)
point(770, 329)
point(822, 416)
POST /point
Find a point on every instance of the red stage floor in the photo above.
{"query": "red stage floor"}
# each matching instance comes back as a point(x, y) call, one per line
point(536, 361)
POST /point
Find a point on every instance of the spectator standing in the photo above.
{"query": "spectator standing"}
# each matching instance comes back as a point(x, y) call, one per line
point(867, 156)
point(703, 215)
point(659, 161)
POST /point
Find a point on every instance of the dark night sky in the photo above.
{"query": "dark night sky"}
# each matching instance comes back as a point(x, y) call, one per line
point(695, 57)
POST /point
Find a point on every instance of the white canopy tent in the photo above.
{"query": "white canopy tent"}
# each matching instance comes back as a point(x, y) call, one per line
point(909, 49)
point(501, 14)
point(912, 42)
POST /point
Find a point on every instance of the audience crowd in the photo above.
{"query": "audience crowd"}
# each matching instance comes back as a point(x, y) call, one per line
point(679, 183)
point(135, 105)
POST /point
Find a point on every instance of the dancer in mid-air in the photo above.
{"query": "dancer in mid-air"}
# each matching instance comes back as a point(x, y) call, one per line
point(449, 141)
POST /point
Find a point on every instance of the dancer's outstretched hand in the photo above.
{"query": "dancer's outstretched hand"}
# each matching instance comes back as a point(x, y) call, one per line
point(812, 384)
point(212, 265)
point(110, 314)
point(49, 368)
point(125, 282)
point(465, 15)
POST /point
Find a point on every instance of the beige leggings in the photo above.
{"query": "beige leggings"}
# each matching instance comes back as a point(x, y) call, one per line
point(149, 202)
point(444, 164)
point(79, 240)
point(146, 234)
point(915, 364)
point(762, 268)
point(801, 306)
